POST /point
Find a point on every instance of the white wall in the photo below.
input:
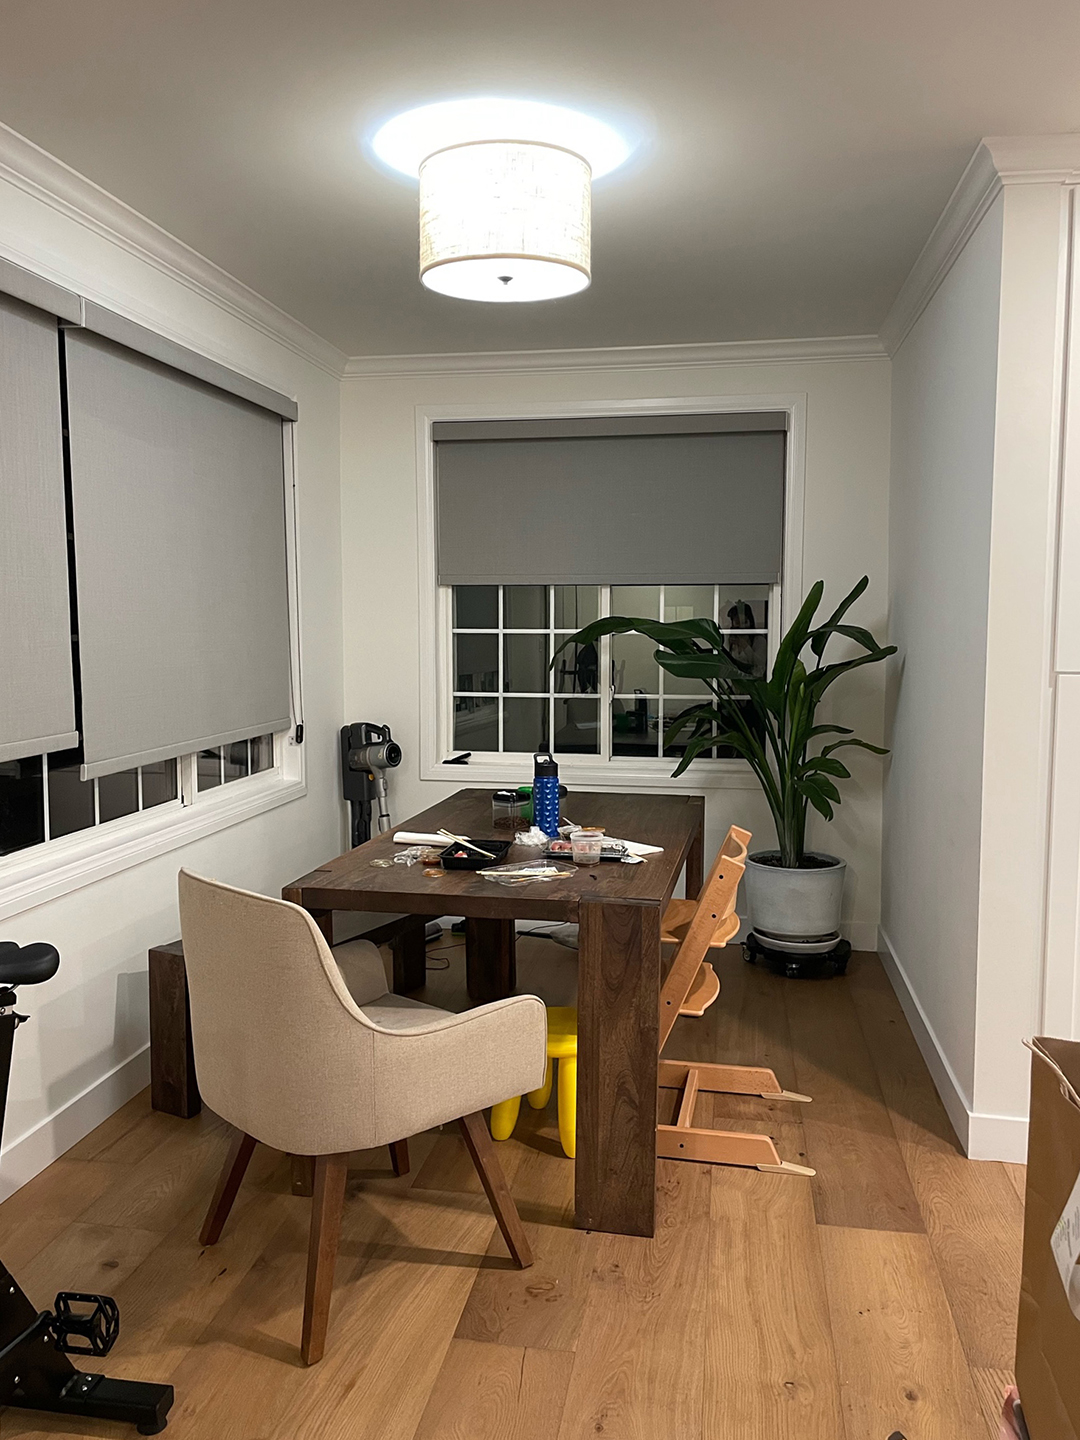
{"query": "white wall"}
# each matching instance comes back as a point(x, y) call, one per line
point(84, 1050)
point(976, 468)
point(944, 393)
point(845, 535)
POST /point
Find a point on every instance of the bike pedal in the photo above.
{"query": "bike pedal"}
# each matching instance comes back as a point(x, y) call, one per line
point(85, 1324)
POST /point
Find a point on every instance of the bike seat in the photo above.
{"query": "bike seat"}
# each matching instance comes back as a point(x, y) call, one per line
point(27, 964)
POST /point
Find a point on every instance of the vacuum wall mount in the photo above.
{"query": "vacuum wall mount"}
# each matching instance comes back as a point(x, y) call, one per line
point(367, 752)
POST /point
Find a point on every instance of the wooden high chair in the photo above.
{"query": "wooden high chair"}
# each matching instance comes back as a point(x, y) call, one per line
point(691, 986)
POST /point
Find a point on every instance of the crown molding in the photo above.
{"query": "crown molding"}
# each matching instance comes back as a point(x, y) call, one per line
point(621, 357)
point(999, 161)
point(35, 171)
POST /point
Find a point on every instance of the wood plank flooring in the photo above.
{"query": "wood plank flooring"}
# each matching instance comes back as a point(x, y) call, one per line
point(878, 1297)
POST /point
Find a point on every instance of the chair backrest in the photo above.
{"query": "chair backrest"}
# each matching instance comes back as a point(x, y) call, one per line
point(280, 1046)
point(716, 904)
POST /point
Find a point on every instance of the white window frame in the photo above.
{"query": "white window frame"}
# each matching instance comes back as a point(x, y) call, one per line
point(53, 868)
point(435, 601)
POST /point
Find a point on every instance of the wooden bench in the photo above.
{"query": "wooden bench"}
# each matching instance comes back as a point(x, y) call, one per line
point(174, 1087)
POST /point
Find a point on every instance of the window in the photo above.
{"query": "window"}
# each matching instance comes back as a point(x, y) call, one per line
point(43, 798)
point(612, 701)
point(234, 762)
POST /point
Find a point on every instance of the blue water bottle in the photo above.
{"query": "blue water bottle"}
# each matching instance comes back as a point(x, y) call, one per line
point(546, 794)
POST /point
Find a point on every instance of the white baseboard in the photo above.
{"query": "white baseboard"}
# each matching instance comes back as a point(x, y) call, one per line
point(984, 1137)
point(998, 1137)
point(27, 1156)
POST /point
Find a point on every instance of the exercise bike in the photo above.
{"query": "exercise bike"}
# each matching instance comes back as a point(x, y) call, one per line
point(35, 1372)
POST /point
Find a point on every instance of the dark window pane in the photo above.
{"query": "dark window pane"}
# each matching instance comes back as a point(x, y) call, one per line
point(676, 707)
point(632, 664)
point(476, 723)
point(71, 800)
point(118, 795)
point(208, 766)
point(576, 605)
point(476, 662)
point(22, 804)
point(577, 670)
point(525, 607)
point(158, 783)
point(236, 760)
point(744, 607)
point(476, 607)
point(688, 602)
point(525, 725)
point(640, 600)
point(525, 664)
point(634, 726)
point(577, 727)
point(262, 753)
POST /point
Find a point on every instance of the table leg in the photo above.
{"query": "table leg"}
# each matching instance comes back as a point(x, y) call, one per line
point(409, 951)
point(695, 863)
point(618, 1039)
point(490, 960)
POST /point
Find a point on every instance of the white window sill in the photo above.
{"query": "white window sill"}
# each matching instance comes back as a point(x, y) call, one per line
point(32, 877)
point(580, 772)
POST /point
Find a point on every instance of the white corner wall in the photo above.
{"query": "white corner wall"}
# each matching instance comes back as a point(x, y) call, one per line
point(977, 394)
point(844, 536)
point(84, 1051)
point(944, 395)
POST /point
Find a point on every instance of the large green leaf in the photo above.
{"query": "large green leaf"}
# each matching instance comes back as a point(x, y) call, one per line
point(818, 644)
point(862, 744)
point(716, 666)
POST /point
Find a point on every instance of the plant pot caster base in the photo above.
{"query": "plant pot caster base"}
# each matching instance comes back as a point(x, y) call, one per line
point(798, 967)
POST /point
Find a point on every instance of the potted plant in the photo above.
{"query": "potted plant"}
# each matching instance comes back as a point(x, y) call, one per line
point(770, 721)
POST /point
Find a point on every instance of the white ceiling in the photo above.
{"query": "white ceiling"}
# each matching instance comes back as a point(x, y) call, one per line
point(794, 155)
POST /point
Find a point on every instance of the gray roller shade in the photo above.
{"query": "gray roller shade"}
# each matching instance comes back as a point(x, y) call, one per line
point(43, 294)
point(148, 342)
point(178, 496)
point(617, 509)
point(37, 703)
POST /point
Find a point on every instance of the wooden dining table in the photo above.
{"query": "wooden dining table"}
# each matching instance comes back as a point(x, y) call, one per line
point(618, 909)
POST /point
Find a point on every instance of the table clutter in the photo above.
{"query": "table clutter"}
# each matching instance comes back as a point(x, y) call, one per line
point(583, 845)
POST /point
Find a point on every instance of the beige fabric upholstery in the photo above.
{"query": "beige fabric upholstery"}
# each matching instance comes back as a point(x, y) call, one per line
point(315, 1059)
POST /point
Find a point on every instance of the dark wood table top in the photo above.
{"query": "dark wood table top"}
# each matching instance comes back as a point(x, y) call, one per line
point(351, 882)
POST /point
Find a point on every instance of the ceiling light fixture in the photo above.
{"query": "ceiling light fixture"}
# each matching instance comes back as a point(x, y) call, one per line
point(505, 194)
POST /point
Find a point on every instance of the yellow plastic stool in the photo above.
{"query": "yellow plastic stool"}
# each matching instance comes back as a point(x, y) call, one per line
point(561, 1046)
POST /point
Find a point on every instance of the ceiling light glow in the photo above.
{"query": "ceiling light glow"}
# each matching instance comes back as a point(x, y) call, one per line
point(404, 142)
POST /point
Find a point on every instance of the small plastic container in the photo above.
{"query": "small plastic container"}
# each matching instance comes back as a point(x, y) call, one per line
point(459, 857)
point(586, 846)
point(511, 810)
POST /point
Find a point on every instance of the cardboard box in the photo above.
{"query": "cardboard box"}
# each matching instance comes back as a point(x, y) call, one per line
point(1048, 1333)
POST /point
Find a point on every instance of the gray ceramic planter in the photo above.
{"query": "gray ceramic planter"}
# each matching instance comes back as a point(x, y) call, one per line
point(795, 905)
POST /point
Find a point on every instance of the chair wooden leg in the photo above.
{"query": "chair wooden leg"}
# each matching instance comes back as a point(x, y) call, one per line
point(399, 1157)
point(232, 1173)
point(481, 1149)
point(326, 1207)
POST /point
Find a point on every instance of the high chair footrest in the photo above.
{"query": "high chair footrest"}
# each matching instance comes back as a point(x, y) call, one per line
point(705, 990)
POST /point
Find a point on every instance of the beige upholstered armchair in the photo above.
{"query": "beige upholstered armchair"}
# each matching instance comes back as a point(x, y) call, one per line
point(304, 1049)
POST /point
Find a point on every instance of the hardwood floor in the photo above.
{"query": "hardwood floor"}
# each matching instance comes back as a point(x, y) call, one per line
point(878, 1297)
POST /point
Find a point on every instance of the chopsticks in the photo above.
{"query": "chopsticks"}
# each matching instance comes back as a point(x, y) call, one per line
point(460, 840)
